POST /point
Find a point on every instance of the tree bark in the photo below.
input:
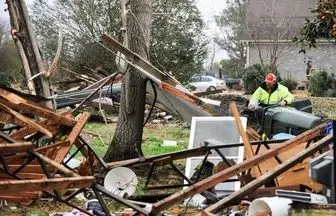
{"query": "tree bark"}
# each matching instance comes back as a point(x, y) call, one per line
point(127, 139)
point(22, 32)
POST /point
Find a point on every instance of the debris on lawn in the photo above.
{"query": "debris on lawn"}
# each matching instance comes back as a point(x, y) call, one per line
point(39, 145)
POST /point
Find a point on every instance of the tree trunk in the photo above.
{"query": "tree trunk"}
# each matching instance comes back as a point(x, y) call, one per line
point(127, 139)
point(23, 34)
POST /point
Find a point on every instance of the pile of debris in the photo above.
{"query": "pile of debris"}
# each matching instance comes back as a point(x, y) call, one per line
point(36, 150)
point(37, 145)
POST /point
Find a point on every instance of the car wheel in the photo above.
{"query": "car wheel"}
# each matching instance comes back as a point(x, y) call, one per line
point(211, 88)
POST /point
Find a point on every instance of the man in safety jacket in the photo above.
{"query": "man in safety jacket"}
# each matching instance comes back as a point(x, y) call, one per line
point(270, 92)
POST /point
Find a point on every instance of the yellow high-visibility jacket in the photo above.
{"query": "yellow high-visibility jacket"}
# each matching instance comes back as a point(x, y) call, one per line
point(279, 93)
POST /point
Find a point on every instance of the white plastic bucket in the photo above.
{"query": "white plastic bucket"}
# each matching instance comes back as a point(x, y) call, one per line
point(274, 206)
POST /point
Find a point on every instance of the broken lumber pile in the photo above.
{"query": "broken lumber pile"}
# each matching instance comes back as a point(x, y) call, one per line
point(33, 146)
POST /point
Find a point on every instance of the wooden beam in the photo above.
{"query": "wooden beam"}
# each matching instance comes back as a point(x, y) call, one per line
point(175, 156)
point(20, 134)
point(6, 138)
point(48, 185)
point(179, 93)
point(76, 130)
point(254, 134)
point(234, 170)
point(52, 146)
point(166, 81)
point(28, 169)
point(246, 140)
point(139, 61)
point(255, 184)
point(22, 175)
point(15, 147)
point(18, 103)
point(9, 118)
point(15, 197)
point(26, 120)
point(58, 166)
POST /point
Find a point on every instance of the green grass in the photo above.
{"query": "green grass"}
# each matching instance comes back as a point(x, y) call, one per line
point(100, 136)
point(154, 137)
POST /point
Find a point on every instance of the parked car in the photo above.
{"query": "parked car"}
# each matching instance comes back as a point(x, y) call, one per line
point(206, 83)
point(231, 83)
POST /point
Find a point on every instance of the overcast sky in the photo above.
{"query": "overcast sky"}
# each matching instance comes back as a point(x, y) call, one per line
point(208, 8)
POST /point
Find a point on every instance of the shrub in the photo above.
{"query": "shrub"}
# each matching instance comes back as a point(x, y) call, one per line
point(290, 84)
point(320, 83)
point(254, 75)
point(5, 79)
point(332, 80)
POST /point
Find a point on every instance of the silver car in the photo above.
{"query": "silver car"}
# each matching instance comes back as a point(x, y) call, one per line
point(206, 83)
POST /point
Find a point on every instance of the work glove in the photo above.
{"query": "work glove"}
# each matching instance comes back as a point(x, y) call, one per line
point(252, 107)
point(283, 103)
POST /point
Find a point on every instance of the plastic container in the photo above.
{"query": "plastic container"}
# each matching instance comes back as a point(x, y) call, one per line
point(274, 206)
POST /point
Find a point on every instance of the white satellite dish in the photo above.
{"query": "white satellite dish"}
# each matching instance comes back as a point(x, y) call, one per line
point(121, 181)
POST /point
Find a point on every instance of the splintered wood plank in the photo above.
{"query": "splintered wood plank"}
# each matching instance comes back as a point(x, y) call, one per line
point(20, 134)
point(52, 126)
point(29, 168)
point(56, 165)
point(6, 138)
point(26, 120)
point(234, 170)
point(18, 103)
point(15, 197)
point(76, 130)
point(9, 118)
point(179, 93)
point(246, 140)
point(15, 147)
point(166, 81)
point(139, 61)
point(58, 145)
point(253, 133)
point(18, 158)
point(23, 175)
point(48, 185)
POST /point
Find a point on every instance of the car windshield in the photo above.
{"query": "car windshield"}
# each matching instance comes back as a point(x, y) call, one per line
point(194, 79)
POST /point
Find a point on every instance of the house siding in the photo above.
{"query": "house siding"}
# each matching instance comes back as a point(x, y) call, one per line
point(292, 64)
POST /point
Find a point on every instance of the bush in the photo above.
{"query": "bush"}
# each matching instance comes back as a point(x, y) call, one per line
point(5, 79)
point(290, 84)
point(320, 83)
point(255, 75)
point(333, 85)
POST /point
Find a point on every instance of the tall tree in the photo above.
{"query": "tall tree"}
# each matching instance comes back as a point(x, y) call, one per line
point(231, 25)
point(83, 23)
point(127, 139)
point(323, 26)
point(270, 27)
point(178, 43)
point(10, 60)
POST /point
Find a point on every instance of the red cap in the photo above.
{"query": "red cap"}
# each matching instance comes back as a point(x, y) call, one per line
point(270, 78)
